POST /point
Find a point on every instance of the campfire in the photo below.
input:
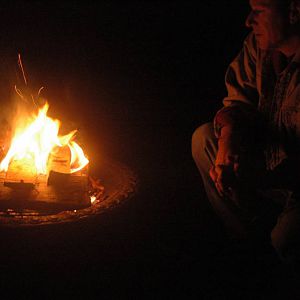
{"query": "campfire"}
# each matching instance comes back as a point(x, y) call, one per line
point(40, 168)
point(37, 149)
point(45, 176)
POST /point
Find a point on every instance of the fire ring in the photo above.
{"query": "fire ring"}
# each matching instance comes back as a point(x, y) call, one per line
point(119, 183)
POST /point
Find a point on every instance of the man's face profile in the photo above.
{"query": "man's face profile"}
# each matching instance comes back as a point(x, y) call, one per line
point(268, 23)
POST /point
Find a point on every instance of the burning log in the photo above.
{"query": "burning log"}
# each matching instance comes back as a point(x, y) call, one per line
point(22, 171)
point(60, 160)
point(57, 191)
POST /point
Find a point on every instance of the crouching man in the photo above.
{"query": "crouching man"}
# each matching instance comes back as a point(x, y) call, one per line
point(249, 157)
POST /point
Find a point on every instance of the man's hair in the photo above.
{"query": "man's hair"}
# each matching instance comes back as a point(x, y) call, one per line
point(286, 3)
point(292, 8)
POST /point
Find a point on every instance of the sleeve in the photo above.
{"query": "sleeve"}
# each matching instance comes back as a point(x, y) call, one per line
point(241, 102)
point(240, 77)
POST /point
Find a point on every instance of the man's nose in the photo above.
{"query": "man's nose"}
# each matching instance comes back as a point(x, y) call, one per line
point(249, 20)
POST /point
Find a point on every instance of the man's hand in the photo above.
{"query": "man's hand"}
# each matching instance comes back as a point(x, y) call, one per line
point(224, 177)
point(237, 131)
point(225, 171)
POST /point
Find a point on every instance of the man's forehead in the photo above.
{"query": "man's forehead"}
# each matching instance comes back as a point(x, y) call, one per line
point(262, 2)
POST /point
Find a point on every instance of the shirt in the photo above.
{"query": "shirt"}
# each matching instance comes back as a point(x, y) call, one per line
point(254, 80)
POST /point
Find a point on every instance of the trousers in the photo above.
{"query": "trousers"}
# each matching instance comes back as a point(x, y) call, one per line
point(272, 214)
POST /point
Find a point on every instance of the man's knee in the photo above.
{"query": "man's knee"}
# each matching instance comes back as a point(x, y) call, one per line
point(285, 240)
point(203, 138)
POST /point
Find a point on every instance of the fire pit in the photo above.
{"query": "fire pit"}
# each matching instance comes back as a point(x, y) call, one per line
point(44, 176)
point(119, 184)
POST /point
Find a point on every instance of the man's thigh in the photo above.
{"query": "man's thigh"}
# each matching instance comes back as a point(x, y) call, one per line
point(286, 234)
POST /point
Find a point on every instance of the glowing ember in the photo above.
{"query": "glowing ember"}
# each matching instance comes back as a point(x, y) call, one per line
point(37, 140)
point(93, 199)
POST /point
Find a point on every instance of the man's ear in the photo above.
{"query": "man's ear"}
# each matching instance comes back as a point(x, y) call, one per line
point(294, 12)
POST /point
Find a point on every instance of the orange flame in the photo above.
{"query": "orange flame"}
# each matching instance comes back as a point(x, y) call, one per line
point(38, 139)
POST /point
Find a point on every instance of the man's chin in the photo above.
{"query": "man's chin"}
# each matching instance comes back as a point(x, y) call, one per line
point(265, 45)
point(262, 45)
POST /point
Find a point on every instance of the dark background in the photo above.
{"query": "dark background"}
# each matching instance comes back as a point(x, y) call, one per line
point(137, 78)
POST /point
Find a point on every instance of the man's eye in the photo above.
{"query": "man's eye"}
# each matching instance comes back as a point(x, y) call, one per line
point(257, 11)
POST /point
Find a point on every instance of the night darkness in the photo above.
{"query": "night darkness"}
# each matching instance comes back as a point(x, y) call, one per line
point(137, 78)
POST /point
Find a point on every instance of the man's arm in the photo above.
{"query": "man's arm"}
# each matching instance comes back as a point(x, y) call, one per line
point(234, 122)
